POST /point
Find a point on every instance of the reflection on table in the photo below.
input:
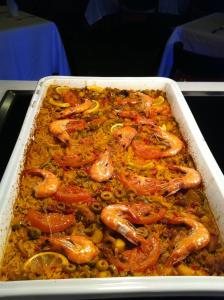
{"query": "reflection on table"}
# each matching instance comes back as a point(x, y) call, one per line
point(203, 36)
point(30, 47)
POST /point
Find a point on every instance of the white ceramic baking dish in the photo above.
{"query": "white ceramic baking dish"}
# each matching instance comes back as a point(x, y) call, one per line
point(123, 286)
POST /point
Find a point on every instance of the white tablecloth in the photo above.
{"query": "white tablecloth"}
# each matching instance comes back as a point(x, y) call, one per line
point(203, 36)
point(30, 47)
point(97, 9)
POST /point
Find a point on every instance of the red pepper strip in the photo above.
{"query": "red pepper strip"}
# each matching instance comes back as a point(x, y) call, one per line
point(50, 222)
point(73, 194)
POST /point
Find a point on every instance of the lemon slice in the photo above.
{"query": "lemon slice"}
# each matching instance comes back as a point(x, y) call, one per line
point(94, 108)
point(115, 127)
point(95, 88)
point(61, 89)
point(58, 103)
point(158, 101)
point(164, 127)
point(45, 261)
point(141, 166)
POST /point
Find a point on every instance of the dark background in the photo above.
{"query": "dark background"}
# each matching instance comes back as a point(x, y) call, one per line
point(124, 44)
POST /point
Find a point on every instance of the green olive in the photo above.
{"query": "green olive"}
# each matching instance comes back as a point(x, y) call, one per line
point(70, 268)
point(119, 193)
point(60, 205)
point(106, 195)
point(102, 265)
point(96, 207)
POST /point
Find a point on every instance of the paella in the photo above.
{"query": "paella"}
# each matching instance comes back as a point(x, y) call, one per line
point(109, 189)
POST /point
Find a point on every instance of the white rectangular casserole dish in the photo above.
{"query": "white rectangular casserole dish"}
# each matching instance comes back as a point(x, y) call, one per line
point(213, 180)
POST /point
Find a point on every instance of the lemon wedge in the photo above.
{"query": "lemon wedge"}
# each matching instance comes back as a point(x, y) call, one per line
point(45, 261)
point(115, 127)
point(62, 89)
point(94, 108)
point(58, 103)
point(158, 101)
point(95, 88)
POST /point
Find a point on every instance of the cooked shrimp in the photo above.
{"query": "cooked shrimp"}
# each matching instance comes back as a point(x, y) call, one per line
point(78, 249)
point(191, 179)
point(48, 186)
point(144, 256)
point(102, 169)
point(75, 109)
point(60, 128)
point(147, 186)
point(125, 135)
point(146, 213)
point(137, 118)
point(198, 239)
point(144, 100)
point(116, 217)
point(131, 99)
point(70, 97)
point(146, 103)
point(138, 259)
point(141, 185)
point(150, 152)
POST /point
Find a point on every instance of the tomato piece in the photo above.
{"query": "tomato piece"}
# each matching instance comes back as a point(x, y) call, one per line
point(72, 194)
point(50, 222)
